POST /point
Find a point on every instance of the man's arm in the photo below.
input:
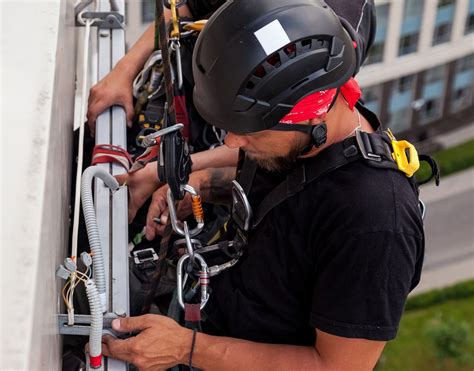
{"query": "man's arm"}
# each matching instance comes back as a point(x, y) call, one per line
point(162, 343)
point(116, 87)
point(214, 185)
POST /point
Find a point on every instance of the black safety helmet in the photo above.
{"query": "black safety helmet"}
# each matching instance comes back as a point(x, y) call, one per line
point(255, 60)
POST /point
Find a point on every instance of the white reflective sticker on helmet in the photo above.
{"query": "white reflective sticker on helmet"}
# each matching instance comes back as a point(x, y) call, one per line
point(272, 37)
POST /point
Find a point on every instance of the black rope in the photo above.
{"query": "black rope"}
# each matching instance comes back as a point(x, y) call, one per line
point(160, 30)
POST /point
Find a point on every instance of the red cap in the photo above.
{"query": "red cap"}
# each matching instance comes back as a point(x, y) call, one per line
point(95, 362)
point(316, 105)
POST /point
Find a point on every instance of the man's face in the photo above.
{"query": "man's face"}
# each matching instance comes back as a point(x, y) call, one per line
point(272, 150)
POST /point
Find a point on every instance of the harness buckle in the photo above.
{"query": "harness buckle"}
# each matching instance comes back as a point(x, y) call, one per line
point(365, 148)
point(145, 256)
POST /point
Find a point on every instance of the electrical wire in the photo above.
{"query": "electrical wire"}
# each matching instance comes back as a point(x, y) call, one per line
point(82, 117)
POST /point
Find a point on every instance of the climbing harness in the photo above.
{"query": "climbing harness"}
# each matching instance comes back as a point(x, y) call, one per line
point(379, 149)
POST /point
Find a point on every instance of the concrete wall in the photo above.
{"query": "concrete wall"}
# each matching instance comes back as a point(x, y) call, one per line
point(38, 64)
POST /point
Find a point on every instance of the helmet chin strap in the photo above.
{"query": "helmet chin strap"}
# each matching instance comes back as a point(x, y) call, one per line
point(317, 133)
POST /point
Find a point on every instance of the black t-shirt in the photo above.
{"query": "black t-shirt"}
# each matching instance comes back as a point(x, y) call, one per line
point(341, 256)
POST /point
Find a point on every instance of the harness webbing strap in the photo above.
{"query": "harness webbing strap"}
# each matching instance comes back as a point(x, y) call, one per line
point(247, 174)
point(332, 158)
point(107, 153)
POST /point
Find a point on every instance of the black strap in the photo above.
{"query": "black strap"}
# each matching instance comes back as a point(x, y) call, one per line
point(332, 158)
point(247, 174)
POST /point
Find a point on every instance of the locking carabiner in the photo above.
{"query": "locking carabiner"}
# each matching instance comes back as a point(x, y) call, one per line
point(181, 278)
point(177, 225)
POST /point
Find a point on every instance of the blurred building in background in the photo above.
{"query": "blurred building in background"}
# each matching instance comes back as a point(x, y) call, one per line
point(419, 77)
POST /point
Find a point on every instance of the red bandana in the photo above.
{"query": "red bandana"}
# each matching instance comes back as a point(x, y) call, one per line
point(316, 105)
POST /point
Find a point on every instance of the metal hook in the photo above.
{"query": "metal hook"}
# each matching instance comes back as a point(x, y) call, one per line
point(203, 279)
point(176, 47)
point(175, 223)
point(150, 140)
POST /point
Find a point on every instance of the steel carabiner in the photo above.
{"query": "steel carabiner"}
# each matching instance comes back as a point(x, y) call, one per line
point(181, 278)
point(176, 47)
point(197, 211)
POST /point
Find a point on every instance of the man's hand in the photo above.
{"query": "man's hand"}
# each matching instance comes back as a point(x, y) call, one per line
point(159, 208)
point(114, 89)
point(161, 343)
point(141, 186)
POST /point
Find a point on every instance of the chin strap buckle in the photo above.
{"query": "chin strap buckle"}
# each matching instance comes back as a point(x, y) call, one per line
point(319, 134)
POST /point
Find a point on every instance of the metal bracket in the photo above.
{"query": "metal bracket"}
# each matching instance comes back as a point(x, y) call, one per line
point(108, 20)
point(82, 325)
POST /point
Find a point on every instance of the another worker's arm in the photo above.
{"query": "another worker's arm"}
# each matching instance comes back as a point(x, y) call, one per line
point(162, 343)
point(116, 87)
point(214, 185)
point(144, 182)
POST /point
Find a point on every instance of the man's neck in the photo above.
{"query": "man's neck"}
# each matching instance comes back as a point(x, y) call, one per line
point(341, 123)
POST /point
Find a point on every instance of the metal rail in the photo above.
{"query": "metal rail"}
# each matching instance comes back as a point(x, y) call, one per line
point(111, 210)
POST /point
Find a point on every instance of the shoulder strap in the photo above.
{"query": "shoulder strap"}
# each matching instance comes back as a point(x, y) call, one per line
point(371, 148)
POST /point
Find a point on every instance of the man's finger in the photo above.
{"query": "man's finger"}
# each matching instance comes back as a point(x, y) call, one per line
point(130, 324)
point(118, 349)
point(129, 111)
point(122, 178)
point(153, 212)
point(160, 229)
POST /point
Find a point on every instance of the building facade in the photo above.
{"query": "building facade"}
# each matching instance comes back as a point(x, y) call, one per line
point(419, 76)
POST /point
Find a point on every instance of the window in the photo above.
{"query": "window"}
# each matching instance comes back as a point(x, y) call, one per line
point(378, 48)
point(372, 97)
point(470, 18)
point(432, 94)
point(148, 11)
point(444, 21)
point(408, 44)
point(410, 32)
point(463, 84)
point(400, 112)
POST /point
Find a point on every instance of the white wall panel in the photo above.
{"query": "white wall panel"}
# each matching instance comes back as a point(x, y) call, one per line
point(38, 63)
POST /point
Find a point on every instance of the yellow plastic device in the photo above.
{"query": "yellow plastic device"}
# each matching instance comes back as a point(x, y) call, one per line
point(407, 163)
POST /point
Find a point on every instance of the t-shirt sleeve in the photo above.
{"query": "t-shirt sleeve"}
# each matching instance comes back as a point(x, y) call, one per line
point(362, 284)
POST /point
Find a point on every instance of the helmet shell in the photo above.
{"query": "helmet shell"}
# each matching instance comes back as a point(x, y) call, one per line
point(255, 59)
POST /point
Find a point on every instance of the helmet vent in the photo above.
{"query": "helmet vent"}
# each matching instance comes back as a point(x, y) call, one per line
point(290, 50)
point(306, 43)
point(281, 57)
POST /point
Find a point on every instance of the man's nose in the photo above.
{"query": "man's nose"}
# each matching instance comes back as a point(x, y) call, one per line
point(235, 140)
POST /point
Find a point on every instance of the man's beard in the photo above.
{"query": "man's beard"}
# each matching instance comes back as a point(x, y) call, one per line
point(280, 163)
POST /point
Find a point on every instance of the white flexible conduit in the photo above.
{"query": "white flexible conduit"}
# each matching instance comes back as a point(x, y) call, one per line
point(91, 225)
point(95, 335)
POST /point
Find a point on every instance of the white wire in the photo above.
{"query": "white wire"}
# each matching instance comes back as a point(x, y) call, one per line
point(82, 117)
